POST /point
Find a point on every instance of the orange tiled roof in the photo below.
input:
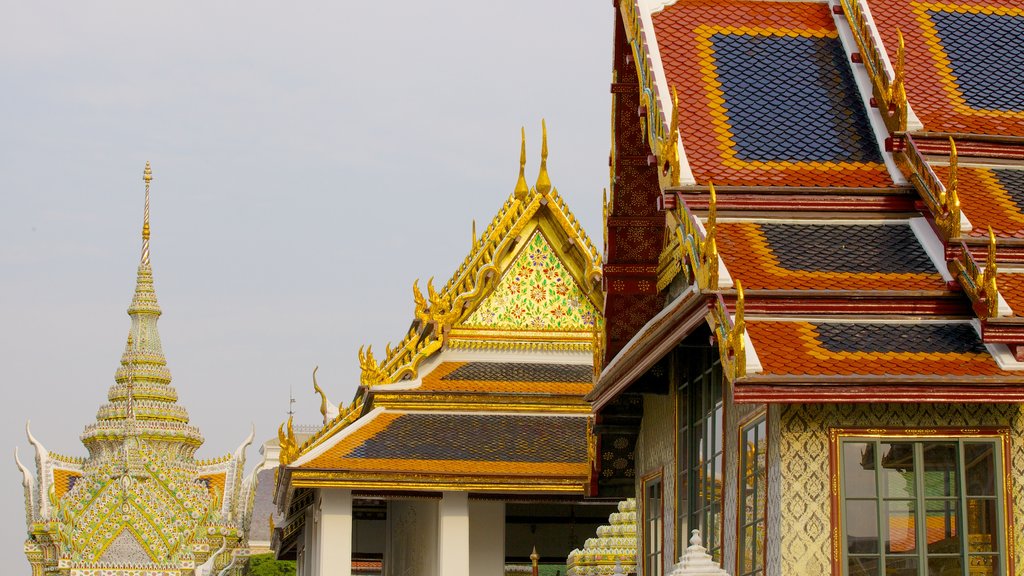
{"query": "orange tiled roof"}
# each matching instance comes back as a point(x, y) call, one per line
point(1011, 288)
point(958, 79)
point(990, 197)
point(509, 378)
point(826, 257)
point(215, 483)
point(859, 349)
point(64, 481)
point(769, 95)
point(441, 443)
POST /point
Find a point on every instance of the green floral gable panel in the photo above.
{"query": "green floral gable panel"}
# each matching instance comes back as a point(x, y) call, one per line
point(536, 293)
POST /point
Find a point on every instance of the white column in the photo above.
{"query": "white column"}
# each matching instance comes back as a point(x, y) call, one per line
point(335, 542)
point(453, 534)
point(487, 538)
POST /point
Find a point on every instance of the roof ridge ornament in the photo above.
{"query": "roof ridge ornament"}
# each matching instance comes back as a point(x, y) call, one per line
point(522, 188)
point(147, 177)
point(543, 181)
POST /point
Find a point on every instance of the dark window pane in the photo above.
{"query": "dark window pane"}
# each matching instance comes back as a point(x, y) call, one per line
point(942, 521)
point(901, 566)
point(863, 566)
point(979, 465)
point(940, 470)
point(950, 566)
point(981, 525)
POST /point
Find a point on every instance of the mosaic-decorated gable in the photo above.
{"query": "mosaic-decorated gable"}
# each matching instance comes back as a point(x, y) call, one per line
point(536, 293)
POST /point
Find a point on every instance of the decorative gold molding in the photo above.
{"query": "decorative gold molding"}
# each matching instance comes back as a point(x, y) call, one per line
point(888, 92)
point(699, 250)
point(943, 200)
point(730, 331)
point(403, 481)
point(668, 147)
point(979, 285)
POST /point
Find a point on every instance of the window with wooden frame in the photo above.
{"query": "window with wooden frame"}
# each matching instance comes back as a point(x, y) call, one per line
point(752, 496)
point(921, 504)
point(654, 527)
point(699, 458)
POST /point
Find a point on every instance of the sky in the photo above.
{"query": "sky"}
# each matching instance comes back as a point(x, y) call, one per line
point(311, 160)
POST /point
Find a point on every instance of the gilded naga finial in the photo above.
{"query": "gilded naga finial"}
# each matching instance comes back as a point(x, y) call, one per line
point(988, 280)
point(147, 177)
point(710, 245)
point(670, 146)
point(543, 181)
point(949, 199)
point(522, 188)
point(323, 395)
point(897, 91)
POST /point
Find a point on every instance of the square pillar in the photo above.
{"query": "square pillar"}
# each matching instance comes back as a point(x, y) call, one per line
point(453, 534)
point(487, 537)
point(334, 550)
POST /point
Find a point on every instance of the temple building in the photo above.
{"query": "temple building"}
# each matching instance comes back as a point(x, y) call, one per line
point(139, 504)
point(814, 293)
point(466, 447)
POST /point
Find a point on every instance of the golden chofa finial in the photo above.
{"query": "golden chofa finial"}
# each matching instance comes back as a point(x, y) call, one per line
point(543, 182)
point(147, 177)
point(522, 188)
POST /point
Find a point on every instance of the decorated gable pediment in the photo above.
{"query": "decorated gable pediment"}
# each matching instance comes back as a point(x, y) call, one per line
point(536, 292)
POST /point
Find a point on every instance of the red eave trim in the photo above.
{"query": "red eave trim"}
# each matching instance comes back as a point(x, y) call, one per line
point(839, 394)
point(651, 344)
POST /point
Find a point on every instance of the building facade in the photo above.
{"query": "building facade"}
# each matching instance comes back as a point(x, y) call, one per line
point(466, 447)
point(813, 292)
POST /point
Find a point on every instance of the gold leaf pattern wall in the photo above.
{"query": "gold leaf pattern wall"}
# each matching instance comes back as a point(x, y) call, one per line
point(804, 504)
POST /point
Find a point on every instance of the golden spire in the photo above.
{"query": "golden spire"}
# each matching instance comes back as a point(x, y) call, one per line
point(474, 233)
point(543, 182)
point(147, 177)
point(522, 188)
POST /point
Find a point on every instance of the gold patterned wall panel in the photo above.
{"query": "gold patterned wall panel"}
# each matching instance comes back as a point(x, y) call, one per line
point(655, 452)
point(804, 508)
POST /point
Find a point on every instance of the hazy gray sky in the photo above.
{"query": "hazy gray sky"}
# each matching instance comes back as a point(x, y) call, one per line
point(310, 161)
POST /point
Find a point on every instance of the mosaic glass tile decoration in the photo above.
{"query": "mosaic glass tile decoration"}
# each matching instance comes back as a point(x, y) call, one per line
point(986, 54)
point(536, 293)
point(792, 99)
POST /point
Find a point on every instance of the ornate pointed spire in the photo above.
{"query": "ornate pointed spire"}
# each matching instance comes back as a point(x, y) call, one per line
point(147, 177)
point(142, 399)
point(522, 188)
point(543, 181)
